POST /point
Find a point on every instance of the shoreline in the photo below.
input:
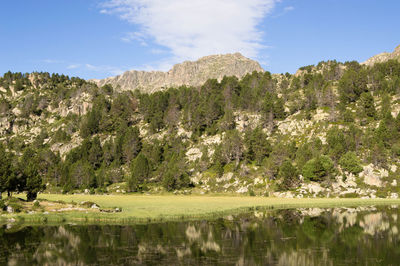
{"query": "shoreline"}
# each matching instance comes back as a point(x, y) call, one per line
point(142, 209)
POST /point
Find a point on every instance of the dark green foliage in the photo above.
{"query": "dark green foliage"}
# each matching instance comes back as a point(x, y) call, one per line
point(273, 107)
point(31, 180)
point(4, 106)
point(140, 172)
point(308, 150)
point(367, 103)
point(131, 144)
point(111, 140)
point(81, 175)
point(95, 156)
point(350, 163)
point(318, 169)
point(336, 142)
point(6, 171)
point(386, 107)
point(353, 83)
point(90, 124)
point(257, 144)
point(15, 204)
point(175, 176)
point(61, 136)
point(232, 147)
point(289, 175)
point(387, 133)
point(18, 85)
point(348, 116)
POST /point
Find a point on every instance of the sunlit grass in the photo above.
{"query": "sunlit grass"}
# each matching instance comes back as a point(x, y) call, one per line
point(143, 208)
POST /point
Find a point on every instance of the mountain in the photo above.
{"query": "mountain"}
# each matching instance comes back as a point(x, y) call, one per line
point(383, 57)
point(190, 73)
point(330, 130)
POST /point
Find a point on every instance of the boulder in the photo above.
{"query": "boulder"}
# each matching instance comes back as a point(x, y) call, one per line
point(242, 190)
point(372, 176)
point(10, 209)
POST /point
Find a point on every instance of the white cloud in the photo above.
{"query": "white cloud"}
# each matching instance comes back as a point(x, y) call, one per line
point(73, 66)
point(104, 69)
point(288, 8)
point(195, 28)
point(135, 36)
point(285, 10)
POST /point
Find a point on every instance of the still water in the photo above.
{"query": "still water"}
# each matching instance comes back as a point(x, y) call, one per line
point(338, 236)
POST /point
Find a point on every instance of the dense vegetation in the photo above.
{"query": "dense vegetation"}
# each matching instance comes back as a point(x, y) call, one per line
point(144, 139)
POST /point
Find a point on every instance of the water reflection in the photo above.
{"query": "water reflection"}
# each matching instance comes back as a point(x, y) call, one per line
point(310, 236)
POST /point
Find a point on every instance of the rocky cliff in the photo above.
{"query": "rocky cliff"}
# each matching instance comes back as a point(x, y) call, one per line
point(383, 57)
point(191, 73)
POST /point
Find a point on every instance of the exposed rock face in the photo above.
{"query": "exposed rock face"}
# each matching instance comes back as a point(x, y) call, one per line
point(191, 73)
point(383, 57)
point(372, 175)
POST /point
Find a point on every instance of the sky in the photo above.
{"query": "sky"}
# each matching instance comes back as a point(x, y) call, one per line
point(102, 38)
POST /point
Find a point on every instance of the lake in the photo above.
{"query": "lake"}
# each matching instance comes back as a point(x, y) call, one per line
point(309, 236)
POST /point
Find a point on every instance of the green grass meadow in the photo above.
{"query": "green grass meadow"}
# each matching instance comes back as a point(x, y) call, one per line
point(156, 208)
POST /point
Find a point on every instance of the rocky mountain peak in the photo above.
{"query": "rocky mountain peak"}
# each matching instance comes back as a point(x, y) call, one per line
point(191, 73)
point(383, 57)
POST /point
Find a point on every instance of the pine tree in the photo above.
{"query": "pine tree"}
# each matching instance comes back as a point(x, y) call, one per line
point(289, 175)
point(350, 163)
point(131, 144)
point(258, 146)
point(95, 156)
point(5, 170)
point(368, 105)
point(31, 181)
point(139, 172)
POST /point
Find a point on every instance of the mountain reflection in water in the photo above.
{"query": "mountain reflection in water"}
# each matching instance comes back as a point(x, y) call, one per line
point(311, 236)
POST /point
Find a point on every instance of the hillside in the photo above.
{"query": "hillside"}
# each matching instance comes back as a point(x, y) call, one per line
point(330, 130)
point(190, 73)
point(383, 57)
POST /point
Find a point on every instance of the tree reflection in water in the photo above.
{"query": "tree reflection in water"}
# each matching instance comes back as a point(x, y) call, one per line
point(286, 237)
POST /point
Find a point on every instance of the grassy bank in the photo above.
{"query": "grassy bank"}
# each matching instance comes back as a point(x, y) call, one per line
point(142, 208)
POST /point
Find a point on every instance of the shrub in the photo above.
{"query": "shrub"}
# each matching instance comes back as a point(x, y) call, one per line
point(350, 195)
point(318, 168)
point(350, 163)
point(289, 175)
point(36, 204)
point(15, 205)
point(381, 194)
point(251, 193)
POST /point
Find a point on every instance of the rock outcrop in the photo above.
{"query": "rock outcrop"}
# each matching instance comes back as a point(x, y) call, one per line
point(383, 57)
point(191, 73)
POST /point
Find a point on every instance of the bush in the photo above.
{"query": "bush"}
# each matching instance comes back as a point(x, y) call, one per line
point(289, 175)
point(350, 163)
point(15, 204)
point(349, 195)
point(36, 204)
point(2, 205)
point(317, 169)
point(381, 194)
point(251, 193)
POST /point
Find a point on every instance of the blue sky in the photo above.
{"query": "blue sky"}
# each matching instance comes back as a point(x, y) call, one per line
point(101, 38)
